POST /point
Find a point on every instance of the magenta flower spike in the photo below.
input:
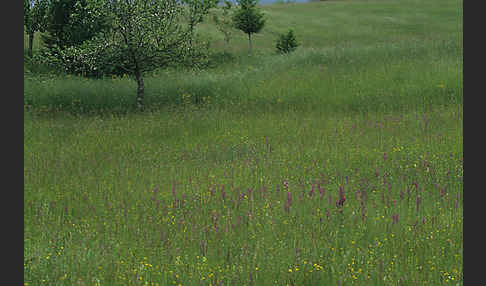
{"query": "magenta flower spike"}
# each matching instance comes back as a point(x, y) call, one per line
point(286, 185)
point(442, 192)
point(395, 218)
point(363, 210)
point(321, 190)
point(223, 194)
point(342, 199)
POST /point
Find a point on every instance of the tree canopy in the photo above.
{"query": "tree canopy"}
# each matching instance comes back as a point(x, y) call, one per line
point(71, 22)
point(197, 9)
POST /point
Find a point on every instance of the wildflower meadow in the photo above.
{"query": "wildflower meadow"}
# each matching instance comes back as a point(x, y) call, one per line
point(340, 163)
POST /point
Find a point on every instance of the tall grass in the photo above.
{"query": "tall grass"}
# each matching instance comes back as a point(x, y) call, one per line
point(222, 198)
point(381, 77)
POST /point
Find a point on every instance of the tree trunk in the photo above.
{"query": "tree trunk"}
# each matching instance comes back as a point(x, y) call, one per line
point(31, 44)
point(249, 40)
point(140, 89)
point(191, 28)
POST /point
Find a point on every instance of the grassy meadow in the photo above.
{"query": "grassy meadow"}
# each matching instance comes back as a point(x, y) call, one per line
point(338, 164)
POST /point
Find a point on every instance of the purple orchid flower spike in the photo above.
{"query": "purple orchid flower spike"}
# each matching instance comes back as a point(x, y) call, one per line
point(395, 218)
point(342, 199)
point(311, 192)
point(223, 193)
point(321, 190)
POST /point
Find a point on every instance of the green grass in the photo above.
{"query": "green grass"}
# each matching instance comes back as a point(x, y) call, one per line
point(192, 190)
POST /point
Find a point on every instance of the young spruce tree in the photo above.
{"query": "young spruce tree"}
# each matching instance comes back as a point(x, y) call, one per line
point(248, 18)
point(287, 43)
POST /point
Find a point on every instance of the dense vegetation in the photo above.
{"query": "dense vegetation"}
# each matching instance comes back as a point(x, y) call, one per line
point(337, 164)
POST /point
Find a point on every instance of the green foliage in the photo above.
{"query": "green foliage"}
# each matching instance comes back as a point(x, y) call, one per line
point(35, 15)
point(248, 18)
point(196, 10)
point(71, 22)
point(287, 43)
point(89, 59)
point(140, 37)
point(224, 22)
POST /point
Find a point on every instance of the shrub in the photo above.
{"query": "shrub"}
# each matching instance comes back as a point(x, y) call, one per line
point(287, 43)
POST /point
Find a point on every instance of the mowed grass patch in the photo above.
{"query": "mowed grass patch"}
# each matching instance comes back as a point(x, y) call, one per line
point(347, 23)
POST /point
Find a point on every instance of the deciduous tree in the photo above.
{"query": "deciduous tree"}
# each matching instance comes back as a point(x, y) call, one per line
point(143, 35)
point(224, 22)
